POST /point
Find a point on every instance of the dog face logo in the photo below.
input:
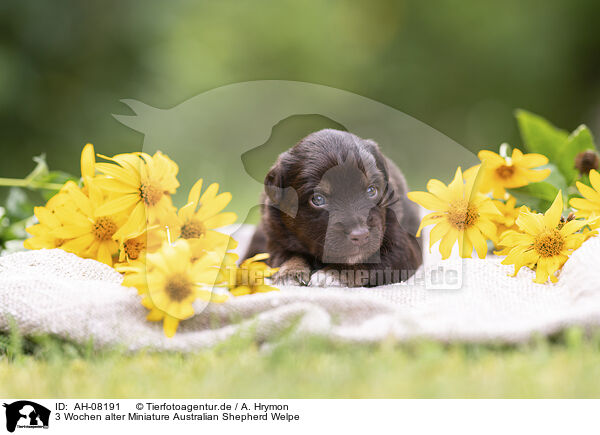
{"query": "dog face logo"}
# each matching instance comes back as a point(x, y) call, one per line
point(26, 414)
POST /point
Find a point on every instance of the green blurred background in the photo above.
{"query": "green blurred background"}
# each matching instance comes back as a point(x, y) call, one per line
point(461, 67)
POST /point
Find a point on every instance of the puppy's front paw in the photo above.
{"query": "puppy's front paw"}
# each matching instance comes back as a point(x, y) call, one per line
point(294, 271)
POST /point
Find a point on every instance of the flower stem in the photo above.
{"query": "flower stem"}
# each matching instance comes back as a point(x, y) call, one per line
point(17, 182)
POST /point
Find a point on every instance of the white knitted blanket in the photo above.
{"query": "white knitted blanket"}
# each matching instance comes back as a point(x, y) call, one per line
point(51, 291)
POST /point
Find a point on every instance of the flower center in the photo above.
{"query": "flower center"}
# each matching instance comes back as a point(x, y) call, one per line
point(549, 243)
point(150, 194)
point(505, 171)
point(133, 248)
point(104, 228)
point(192, 229)
point(461, 214)
point(178, 288)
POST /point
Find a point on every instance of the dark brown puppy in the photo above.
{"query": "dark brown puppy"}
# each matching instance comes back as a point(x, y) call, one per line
point(335, 203)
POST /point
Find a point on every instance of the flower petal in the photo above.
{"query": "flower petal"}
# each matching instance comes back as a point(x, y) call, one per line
point(531, 223)
point(572, 226)
point(430, 219)
point(194, 195)
point(552, 216)
point(88, 160)
point(439, 189)
point(456, 187)
point(448, 242)
point(595, 179)
point(119, 173)
point(427, 200)
point(220, 220)
point(532, 160)
point(437, 232)
point(170, 325)
point(588, 192)
point(478, 241)
point(118, 205)
point(583, 204)
point(492, 158)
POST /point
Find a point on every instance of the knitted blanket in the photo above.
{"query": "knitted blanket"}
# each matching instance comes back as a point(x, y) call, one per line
point(51, 291)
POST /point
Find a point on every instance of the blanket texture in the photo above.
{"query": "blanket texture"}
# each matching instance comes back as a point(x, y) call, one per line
point(51, 291)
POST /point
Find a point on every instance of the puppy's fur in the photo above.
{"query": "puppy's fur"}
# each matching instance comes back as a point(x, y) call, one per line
point(334, 202)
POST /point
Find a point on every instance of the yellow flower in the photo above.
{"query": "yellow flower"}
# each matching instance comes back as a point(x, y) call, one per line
point(202, 214)
point(500, 173)
point(171, 282)
point(509, 214)
point(142, 186)
point(249, 278)
point(87, 232)
point(461, 214)
point(43, 232)
point(545, 241)
point(43, 237)
point(506, 222)
point(133, 245)
point(589, 205)
point(196, 221)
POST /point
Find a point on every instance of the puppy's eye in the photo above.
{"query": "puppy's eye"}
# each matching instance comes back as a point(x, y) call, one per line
point(371, 191)
point(318, 200)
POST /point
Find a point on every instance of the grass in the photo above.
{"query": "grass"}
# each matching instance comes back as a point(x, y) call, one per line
point(43, 367)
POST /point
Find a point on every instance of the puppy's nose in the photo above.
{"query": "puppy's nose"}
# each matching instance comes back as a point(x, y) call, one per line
point(359, 236)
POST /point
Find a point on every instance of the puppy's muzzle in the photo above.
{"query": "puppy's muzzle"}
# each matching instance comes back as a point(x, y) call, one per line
point(359, 236)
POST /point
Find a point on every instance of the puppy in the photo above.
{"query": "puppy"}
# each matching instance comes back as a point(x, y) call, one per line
point(335, 204)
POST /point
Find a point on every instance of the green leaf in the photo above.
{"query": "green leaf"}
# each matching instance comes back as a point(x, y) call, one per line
point(536, 196)
point(555, 178)
point(540, 136)
point(539, 196)
point(580, 140)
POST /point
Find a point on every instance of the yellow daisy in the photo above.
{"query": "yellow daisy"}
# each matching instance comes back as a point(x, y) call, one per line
point(142, 185)
point(509, 214)
point(589, 205)
point(202, 214)
point(461, 214)
point(545, 241)
point(500, 173)
point(249, 278)
point(506, 222)
point(43, 232)
point(133, 244)
point(89, 233)
point(171, 282)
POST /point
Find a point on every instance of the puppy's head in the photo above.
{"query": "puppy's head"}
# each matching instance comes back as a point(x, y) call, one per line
point(332, 188)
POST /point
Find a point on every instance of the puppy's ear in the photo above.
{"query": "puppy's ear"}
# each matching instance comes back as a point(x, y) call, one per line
point(373, 148)
point(282, 196)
